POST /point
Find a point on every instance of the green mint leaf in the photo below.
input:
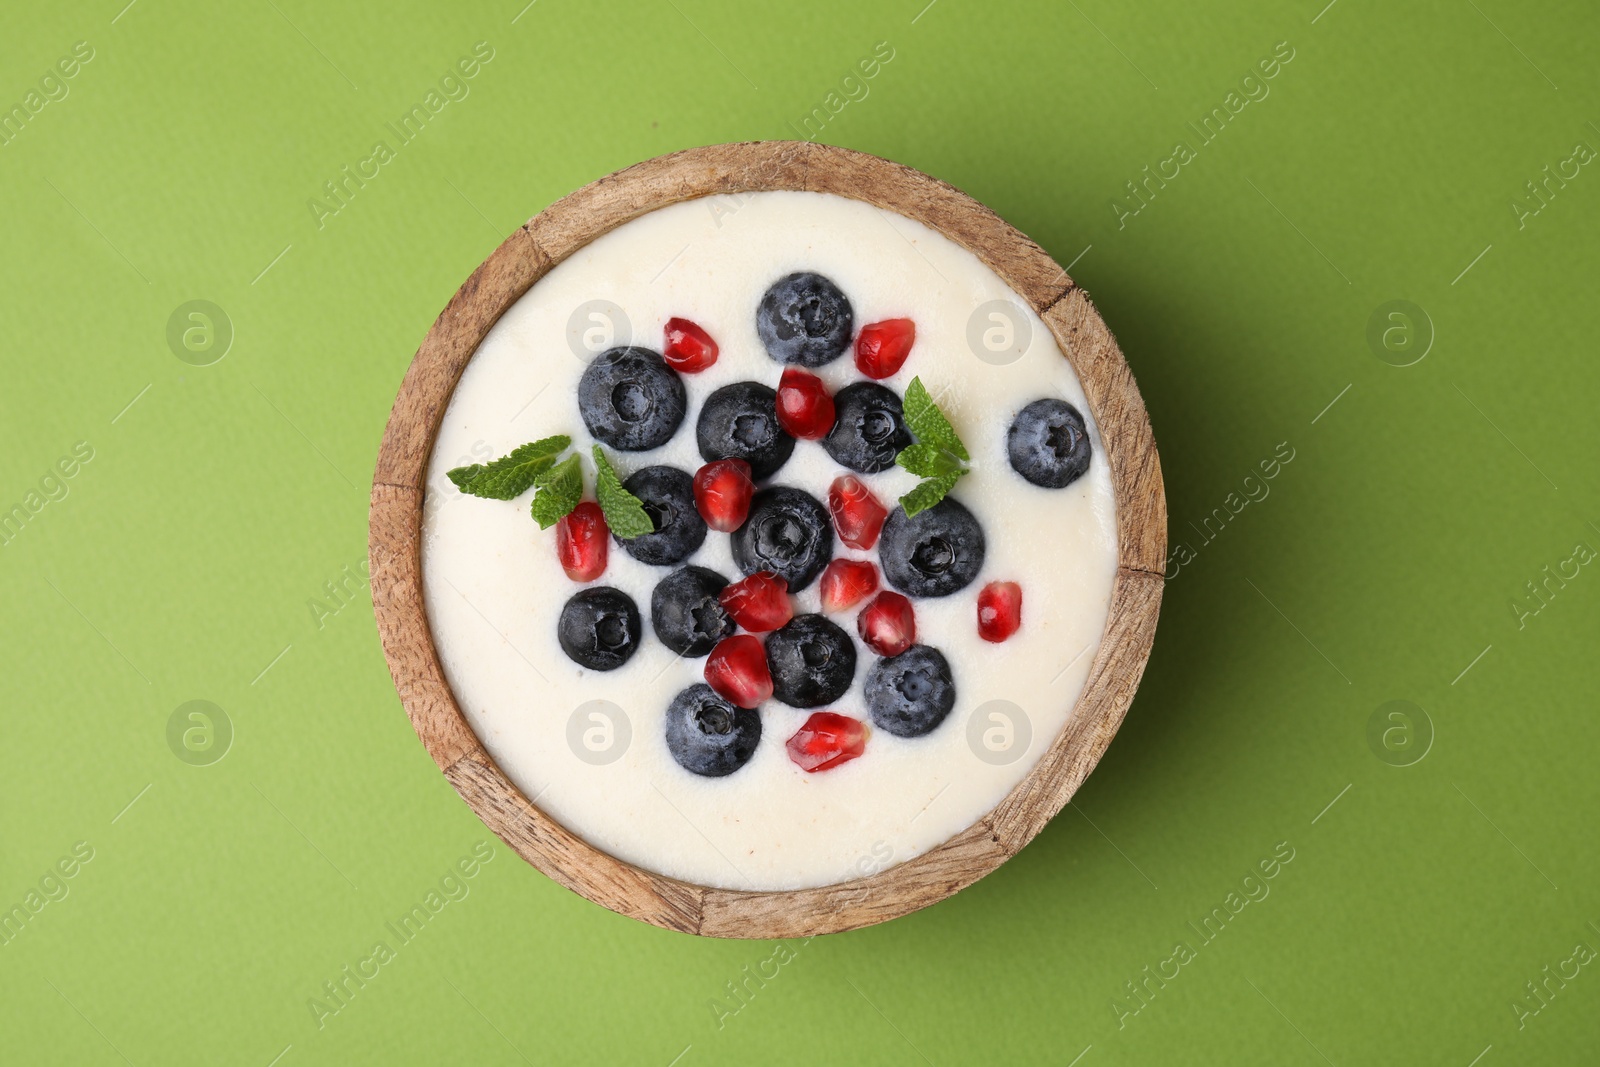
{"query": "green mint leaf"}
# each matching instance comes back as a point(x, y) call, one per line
point(567, 469)
point(928, 423)
point(930, 461)
point(557, 491)
point(463, 476)
point(938, 457)
point(511, 475)
point(928, 493)
point(918, 459)
point(625, 515)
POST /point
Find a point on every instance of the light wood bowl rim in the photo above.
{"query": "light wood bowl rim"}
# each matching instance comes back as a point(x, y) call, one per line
point(396, 518)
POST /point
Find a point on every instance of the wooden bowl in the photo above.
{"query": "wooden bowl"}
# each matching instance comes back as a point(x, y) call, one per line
point(396, 523)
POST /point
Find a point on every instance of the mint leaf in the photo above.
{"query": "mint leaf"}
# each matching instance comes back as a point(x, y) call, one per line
point(928, 493)
point(557, 491)
point(930, 461)
point(928, 423)
point(625, 515)
point(463, 476)
point(511, 475)
point(938, 457)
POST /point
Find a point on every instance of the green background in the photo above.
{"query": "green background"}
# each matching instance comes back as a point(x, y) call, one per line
point(1384, 565)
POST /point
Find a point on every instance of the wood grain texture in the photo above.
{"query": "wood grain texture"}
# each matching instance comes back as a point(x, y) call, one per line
point(1113, 677)
point(425, 391)
point(603, 205)
point(886, 895)
point(394, 554)
point(567, 858)
point(396, 518)
point(1025, 266)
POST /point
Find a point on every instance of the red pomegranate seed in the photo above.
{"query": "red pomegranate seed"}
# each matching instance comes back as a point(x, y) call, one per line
point(805, 409)
point(888, 625)
point(857, 515)
point(722, 491)
point(882, 347)
point(583, 542)
point(758, 603)
point(999, 610)
point(689, 348)
point(737, 669)
point(846, 583)
point(827, 740)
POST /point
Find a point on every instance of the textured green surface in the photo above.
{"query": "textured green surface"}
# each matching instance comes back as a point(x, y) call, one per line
point(1382, 563)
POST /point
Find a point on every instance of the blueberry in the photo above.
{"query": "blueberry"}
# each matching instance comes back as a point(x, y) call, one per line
point(1048, 444)
point(631, 400)
point(599, 628)
point(932, 553)
point(740, 421)
point(787, 532)
point(685, 612)
point(667, 494)
point(709, 736)
point(909, 695)
point(812, 661)
point(869, 430)
point(804, 319)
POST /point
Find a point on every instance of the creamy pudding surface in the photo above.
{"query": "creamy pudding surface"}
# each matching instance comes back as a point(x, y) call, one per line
point(495, 589)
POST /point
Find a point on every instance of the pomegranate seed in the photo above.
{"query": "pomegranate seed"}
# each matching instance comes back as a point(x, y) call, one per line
point(737, 669)
point(857, 515)
point(827, 740)
point(888, 625)
point(583, 542)
point(722, 493)
point(758, 603)
point(999, 610)
point(689, 348)
point(846, 583)
point(882, 347)
point(805, 409)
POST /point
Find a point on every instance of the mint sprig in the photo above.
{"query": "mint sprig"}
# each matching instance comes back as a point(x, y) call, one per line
point(557, 491)
point(558, 486)
point(930, 461)
point(927, 493)
point(511, 475)
point(938, 457)
point(928, 424)
point(625, 515)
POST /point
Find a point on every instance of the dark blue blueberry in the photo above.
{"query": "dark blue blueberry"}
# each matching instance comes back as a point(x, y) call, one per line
point(631, 400)
point(804, 319)
point(909, 695)
point(934, 552)
point(667, 494)
point(709, 736)
point(740, 421)
point(787, 532)
point(1048, 444)
point(685, 612)
point(869, 429)
point(812, 661)
point(599, 628)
